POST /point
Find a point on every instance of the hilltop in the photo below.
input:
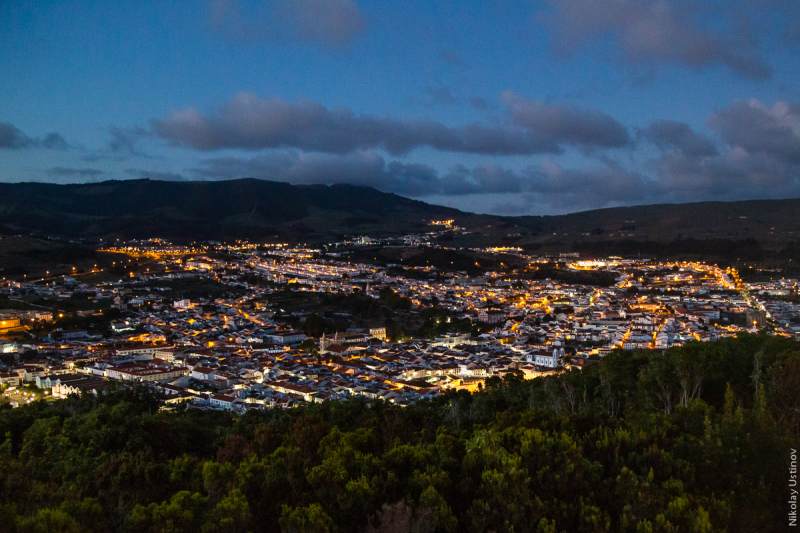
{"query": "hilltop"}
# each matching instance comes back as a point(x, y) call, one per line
point(260, 209)
point(774, 220)
point(245, 208)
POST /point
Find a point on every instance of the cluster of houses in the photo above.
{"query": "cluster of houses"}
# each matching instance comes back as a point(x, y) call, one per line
point(238, 352)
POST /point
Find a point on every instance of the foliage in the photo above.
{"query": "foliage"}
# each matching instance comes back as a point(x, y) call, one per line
point(691, 439)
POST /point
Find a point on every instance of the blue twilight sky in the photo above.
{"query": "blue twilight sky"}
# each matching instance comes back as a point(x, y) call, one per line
point(502, 106)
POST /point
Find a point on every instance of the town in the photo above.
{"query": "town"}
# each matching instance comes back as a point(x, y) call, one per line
point(243, 327)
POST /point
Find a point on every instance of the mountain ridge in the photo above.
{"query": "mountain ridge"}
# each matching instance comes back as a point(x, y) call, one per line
point(255, 208)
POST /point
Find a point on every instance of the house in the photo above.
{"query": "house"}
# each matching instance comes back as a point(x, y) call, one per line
point(7, 346)
point(183, 304)
point(378, 333)
point(201, 373)
point(145, 374)
point(141, 352)
point(638, 340)
point(287, 338)
point(31, 373)
point(42, 316)
point(50, 381)
point(74, 334)
point(89, 384)
point(9, 378)
point(9, 323)
point(491, 316)
point(222, 401)
point(119, 327)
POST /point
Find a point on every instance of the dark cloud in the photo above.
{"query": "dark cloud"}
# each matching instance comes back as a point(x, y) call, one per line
point(329, 22)
point(253, 123)
point(667, 134)
point(124, 140)
point(442, 95)
point(568, 125)
point(582, 188)
point(588, 187)
point(735, 175)
point(549, 183)
point(479, 103)
point(54, 141)
point(250, 122)
point(761, 158)
point(757, 128)
point(511, 208)
point(73, 174)
point(687, 32)
point(13, 138)
point(122, 144)
point(356, 168)
point(154, 175)
point(690, 168)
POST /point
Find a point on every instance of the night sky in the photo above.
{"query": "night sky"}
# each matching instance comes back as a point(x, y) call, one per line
point(499, 106)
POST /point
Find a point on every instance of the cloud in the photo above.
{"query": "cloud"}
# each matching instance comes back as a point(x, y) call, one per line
point(54, 141)
point(687, 32)
point(479, 103)
point(759, 129)
point(154, 175)
point(586, 187)
point(363, 167)
point(759, 156)
point(550, 183)
point(568, 125)
point(122, 144)
point(250, 122)
point(442, 95)
point(13, 138)
point(666, 134)
point(124, 140)
point(734, 175)
point(576, 189)
point(72, 174)
point(329, 22)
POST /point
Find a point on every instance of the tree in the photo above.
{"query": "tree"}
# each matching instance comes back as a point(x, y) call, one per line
point(314, 325)
point(690, 366)
point(658, 383)
point(231, 515)
point(182, 513)
point(310, 519)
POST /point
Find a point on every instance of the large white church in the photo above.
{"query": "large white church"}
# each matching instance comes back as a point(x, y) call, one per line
point(543, 358)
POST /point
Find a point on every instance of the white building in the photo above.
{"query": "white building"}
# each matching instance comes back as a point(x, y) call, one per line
point(542, 358)
point(7, 346)
point(183, 304)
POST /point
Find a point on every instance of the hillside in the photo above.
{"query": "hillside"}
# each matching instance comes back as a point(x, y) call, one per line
point(222, 209)
point(622, 445)
point(774, 220)
point(258, 209)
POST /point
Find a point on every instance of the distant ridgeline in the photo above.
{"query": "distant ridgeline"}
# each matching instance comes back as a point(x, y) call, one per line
point(246, 208)
point(696, 439)
point(256, 209)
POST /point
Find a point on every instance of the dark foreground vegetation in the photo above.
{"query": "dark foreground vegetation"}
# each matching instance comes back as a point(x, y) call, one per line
point(694, 440)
